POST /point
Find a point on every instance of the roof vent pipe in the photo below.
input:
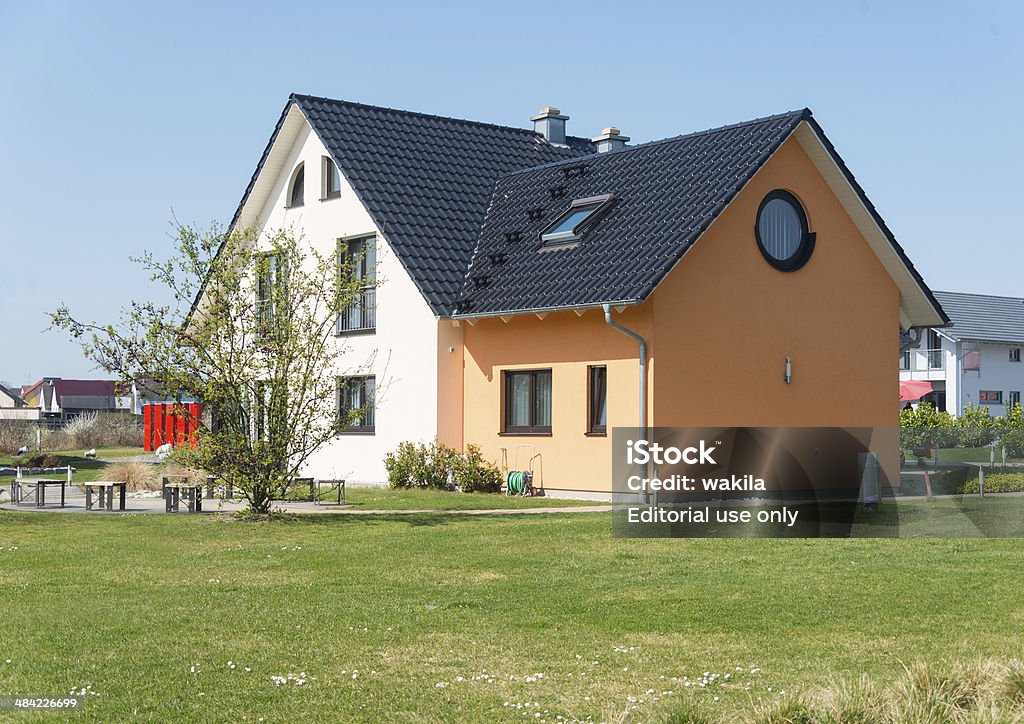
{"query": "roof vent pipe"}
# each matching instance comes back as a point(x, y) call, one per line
point(611, 139)
point(550, 123)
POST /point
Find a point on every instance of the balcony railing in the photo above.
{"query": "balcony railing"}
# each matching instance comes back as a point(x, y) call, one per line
point(922, 360)
point(361, 315)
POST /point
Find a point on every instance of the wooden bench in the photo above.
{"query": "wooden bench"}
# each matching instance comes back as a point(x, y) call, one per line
point(105, 490)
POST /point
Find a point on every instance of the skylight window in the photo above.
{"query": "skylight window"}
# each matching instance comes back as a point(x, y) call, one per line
point(577, 219)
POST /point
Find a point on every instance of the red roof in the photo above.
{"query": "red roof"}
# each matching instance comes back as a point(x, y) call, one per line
point(90, 388)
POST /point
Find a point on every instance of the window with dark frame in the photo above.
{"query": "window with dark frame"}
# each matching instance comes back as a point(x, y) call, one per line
point(990, 397)
point(332, 179)
point(782, 231)
point(934, 350)
point(270, 281)
point(1015, 354)
point(356, 404)
point(597, 400)
point(1013, 399)
point(575, 221)
point(527, 402)
point(297, 195)
point(357, 259)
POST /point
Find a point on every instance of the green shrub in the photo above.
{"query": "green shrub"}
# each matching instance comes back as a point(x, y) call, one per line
point(997, 483)
point(944, 481)
point(418, 465)
point(35, 460)
point(924, 423)
point(1011, 431)
point(474, 474)
point(951, 481)
point(976, 427)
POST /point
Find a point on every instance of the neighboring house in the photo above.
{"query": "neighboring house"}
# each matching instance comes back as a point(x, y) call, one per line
point(60, 398)
point(507, 255)
point(976, 359)
point(13, 407)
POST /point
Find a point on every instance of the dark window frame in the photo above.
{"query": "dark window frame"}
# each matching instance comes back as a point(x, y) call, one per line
point(369, 406)
point(268, 278)
point(298, 177)
point(990, 397)
point(805, 248)
point(330, 171)
point(597, 373)
point(1015, 354)
point(507, 428)
point(599, 205)
point(352, 257)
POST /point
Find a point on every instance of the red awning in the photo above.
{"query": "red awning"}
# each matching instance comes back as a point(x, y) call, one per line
point(913, 390)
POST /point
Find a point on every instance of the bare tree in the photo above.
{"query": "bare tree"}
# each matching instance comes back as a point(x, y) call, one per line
point(250, 334)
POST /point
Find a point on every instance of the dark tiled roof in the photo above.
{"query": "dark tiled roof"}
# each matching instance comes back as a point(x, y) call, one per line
point(982, 317)
point(666, 194)
point(426, 180)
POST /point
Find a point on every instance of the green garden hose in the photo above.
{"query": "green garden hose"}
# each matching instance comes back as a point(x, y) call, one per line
point(516, 483)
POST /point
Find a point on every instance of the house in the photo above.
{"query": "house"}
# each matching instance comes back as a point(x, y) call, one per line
point(976, 360)
point(60, 398)
point(522, 268)
point(13, 407)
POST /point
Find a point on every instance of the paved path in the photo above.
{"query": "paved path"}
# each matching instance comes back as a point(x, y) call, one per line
point(76, 504)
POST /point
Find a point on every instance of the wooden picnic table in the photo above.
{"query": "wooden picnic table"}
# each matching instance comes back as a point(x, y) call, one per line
point(105, 490)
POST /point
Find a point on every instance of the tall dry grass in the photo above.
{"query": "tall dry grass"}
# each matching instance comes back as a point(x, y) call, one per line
point(108, 429)
point(977, 691)
point(138, 475)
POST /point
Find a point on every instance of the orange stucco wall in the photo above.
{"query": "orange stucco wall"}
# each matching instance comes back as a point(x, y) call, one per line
point(719, 328)
point(450, 351)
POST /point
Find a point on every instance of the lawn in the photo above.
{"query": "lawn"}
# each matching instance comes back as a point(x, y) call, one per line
point(386, 499)
point(970, 455)
point(86, 469)
point(467, 618)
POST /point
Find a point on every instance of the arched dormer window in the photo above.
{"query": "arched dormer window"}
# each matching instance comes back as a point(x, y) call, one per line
point(297, 194)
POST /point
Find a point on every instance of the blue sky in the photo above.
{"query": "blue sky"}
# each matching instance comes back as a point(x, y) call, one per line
point(115, 114)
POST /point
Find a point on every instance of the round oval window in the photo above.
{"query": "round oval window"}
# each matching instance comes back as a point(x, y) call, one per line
point(782, 233)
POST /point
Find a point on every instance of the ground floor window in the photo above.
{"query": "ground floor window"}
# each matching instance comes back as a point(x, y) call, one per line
point(1013, 398)
point(990, 397)
point(356, 404)
point(936, 399)
point(527, 401)
point(597, 400)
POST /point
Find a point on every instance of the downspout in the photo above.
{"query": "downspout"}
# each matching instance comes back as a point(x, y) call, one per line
point(643, 372)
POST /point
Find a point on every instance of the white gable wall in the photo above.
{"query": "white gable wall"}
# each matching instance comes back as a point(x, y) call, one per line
point(997, 374)
point(402, 354)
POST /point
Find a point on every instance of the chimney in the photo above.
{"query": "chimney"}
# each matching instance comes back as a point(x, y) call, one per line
point(550, 123)
point(611, 139)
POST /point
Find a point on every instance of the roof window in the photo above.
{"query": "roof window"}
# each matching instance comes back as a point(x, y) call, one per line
point(577, 219)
